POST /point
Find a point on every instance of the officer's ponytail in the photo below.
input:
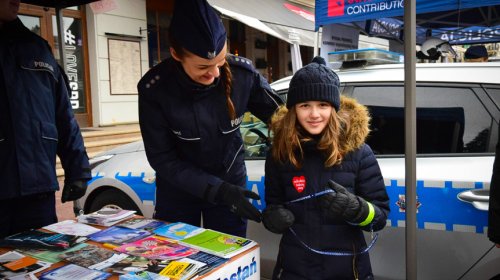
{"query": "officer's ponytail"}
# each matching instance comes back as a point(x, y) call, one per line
point(228, 85)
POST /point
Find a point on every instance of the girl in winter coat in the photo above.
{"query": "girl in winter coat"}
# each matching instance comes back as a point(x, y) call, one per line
point(323, 183)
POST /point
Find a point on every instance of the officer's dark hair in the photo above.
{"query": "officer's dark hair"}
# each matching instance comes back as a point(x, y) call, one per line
point(226, 74)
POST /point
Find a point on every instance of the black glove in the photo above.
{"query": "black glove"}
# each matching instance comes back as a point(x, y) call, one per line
point(350, 207)
point(73, 190)
point(277, 219)
point(237, 200)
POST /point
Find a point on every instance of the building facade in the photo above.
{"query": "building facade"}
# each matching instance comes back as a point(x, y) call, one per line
point(110, 44)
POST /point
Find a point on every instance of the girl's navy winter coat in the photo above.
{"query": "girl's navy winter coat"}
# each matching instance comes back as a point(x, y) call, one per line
point(360, 174)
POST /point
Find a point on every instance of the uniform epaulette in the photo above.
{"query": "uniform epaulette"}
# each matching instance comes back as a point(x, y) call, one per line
point(243, 62)
point(150, 80)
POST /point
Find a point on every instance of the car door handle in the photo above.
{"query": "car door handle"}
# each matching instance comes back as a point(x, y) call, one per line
point(478, 198)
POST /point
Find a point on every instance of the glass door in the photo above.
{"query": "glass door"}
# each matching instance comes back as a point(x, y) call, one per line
point(42, 21)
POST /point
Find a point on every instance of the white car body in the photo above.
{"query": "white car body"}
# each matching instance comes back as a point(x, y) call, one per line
point(451, 233)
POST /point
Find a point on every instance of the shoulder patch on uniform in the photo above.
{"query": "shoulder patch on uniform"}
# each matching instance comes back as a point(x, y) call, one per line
point(243, 62)
point(151, 79)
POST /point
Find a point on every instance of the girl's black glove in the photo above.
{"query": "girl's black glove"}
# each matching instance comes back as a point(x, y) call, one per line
point(277, 219)
point(237, 199)
point(341, 202)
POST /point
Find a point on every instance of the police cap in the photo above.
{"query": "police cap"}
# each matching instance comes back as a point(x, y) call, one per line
point(196, 27)
point(478, 51)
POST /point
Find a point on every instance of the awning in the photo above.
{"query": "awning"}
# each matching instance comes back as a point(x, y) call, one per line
point(432, 13)
point(57, 3)
point(250, 21)
point(278, 18)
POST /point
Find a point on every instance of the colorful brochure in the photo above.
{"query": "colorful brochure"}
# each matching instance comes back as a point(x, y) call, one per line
point(178, 231)
point(73, 271)
point(155, 247)
point(141, 223)
point(119, 235)
point(218, 243)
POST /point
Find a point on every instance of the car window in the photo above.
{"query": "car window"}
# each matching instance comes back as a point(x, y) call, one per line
point(254, 134)
point(450, 119)
point(495, 95)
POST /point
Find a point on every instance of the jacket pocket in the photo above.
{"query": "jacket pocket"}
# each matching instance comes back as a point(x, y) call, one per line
point(39, 63)
point(48, 131)
point(227, 126)
point(186, 135)
point(49, 140)
point(234, 147)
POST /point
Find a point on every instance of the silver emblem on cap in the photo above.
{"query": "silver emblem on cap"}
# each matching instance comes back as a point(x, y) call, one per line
point(211, 54)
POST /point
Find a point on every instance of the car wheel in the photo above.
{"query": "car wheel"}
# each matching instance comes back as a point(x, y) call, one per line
point(113, 199)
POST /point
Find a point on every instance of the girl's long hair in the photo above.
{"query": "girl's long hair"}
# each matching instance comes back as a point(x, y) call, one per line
point(288, 136)
point(227, 76)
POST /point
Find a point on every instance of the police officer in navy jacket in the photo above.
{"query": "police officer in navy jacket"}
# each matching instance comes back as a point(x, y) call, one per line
point(190, 110)
point(36, 123)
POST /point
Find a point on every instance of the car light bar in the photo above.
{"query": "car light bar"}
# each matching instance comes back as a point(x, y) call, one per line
point(363, 57)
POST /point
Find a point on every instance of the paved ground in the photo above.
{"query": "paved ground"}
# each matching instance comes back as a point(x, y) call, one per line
point(64, 210)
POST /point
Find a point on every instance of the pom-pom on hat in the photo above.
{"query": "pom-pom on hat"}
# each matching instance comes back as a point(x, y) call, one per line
point(314, 82)
point(476, 52)
point(196, 27)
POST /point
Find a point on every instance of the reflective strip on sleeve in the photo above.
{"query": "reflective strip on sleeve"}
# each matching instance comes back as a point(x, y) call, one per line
point(371, 215)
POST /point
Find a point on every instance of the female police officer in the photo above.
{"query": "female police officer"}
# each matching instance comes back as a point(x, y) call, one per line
point(190, 109)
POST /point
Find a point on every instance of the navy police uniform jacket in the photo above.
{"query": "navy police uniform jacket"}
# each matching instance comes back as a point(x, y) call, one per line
point(36, 119)
point(360, 174)
point(189, 138)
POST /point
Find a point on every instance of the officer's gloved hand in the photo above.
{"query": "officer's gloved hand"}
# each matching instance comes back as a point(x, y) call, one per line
point(341, 202)
point(277, 219)
point(73, 190)
point(237, 200)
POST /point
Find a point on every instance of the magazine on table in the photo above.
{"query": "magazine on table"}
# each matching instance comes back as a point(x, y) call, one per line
point(73, 271)
point(218, 243)
point(139, 275)
point(14, 265)
point(156, 247)
point(181, 269)
point(106, 216)
point(118, 235)
point(41, 239)
point(178, 231)
point(211, 262)
point(49, 255)
point(141, 223)
point(93, 257)
point(72, 227)
point(133, 264)
point(186, 268)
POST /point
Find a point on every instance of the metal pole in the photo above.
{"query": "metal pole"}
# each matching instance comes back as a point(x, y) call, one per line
point(60, 37)
point(295, 50)
point(317, 40)
point(410, 137)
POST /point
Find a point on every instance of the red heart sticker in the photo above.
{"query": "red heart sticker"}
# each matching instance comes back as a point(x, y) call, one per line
point(299, 183)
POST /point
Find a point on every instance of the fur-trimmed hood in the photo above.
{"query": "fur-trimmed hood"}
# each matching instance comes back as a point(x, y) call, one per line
point(358, 119)
point(356, 128)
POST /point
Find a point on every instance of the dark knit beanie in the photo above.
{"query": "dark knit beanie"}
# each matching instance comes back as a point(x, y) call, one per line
point(314, 82)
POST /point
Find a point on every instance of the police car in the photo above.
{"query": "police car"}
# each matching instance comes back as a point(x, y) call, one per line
point(457, 122)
